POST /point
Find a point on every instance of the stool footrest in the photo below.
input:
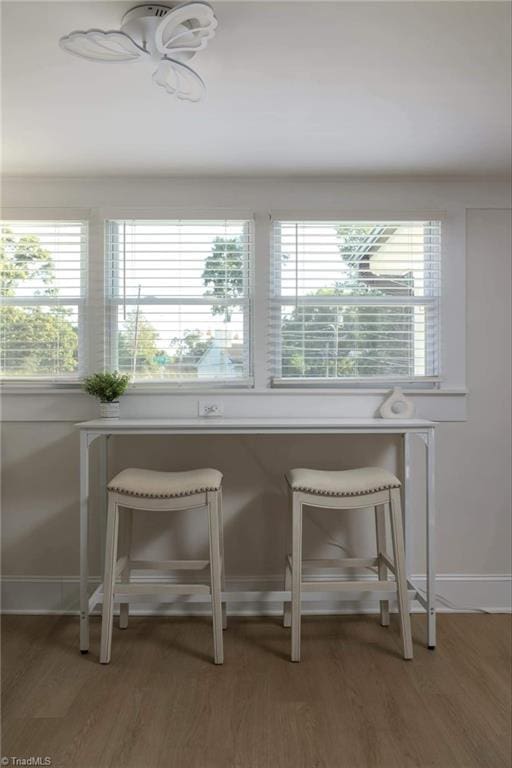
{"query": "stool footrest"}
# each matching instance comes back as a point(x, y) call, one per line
point(369, 585)
point(347, 562)
point(342, 562)
point(158, 588)
point(169, 565)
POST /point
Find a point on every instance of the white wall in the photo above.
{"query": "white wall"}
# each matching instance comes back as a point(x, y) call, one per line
point(40, 445)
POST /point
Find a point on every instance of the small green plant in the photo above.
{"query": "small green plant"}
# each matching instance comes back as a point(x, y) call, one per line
point(107, 387)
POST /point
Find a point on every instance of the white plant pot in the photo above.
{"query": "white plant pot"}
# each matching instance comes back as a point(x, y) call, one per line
point(109, 410)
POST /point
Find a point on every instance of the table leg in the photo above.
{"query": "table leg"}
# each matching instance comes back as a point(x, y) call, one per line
point(406, 503)
point(102, 506)
point(84, 542)
point(430, 538)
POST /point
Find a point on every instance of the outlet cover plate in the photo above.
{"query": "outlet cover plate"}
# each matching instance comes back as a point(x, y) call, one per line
point(210, 408)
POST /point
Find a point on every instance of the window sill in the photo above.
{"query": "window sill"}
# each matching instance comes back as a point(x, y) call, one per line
point(234, 389)
point(61, 404)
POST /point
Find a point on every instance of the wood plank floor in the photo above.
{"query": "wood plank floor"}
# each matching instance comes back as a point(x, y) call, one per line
point(351, 703)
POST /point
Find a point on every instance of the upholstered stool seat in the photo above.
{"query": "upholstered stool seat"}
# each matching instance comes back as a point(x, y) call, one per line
point(348, 482)
point(340, 490)
point(147, 483)
point(149, 491)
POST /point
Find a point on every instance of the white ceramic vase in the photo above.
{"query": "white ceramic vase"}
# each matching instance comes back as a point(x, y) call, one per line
point(109, 410)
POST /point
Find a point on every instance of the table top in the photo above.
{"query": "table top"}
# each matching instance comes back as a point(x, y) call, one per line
point(219, 425)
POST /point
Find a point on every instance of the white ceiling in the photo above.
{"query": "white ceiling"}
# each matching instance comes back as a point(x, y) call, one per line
point(293, 88)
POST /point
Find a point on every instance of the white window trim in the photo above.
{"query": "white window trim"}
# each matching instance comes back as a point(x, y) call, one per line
point(110, 318)
point(371, 383)
point(452, 306)
point(82, 303)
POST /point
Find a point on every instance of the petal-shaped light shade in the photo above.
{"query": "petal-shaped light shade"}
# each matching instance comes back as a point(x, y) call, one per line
point(179, 80)
point(186, 29)
point(96, 45)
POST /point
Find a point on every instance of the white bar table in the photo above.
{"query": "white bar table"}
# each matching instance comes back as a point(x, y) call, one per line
point(102, 429)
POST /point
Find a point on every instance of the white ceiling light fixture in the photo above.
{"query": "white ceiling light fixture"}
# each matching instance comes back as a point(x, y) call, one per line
point(166, 35)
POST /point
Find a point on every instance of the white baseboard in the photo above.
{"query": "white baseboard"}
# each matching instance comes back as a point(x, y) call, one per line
point(59, 594)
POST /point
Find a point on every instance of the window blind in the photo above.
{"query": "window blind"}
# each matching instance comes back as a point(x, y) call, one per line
point(179, 300)
point(42, 298)
point(355, 301)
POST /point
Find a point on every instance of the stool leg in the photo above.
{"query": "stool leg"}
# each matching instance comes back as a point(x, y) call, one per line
point(380, 528)
point(215, 575)
point(287, 607)
point(124, 608)
point(223, 569)
point(397, 533)
point(296, 574)
point(109, 579)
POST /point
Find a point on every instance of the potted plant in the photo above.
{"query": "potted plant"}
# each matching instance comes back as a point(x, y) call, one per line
point(108, 388)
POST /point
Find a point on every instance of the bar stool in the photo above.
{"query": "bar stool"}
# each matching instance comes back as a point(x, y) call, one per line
point(144, 489)
point(350, 489)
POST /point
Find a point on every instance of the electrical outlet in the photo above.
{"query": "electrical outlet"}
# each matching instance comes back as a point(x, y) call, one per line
point(209, 408)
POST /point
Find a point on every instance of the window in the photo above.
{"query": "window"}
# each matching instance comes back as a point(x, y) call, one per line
point(355, 301)
point(178, 300)
point(351, 302)
point(43, 285)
